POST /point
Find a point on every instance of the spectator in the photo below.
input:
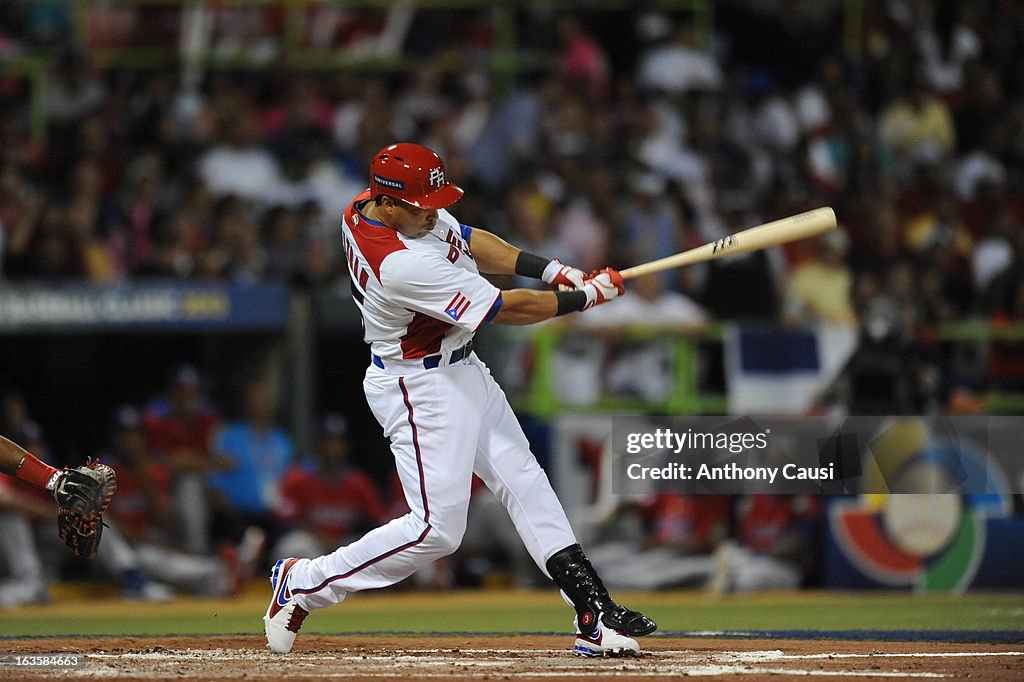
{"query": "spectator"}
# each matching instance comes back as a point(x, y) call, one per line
point(947, 42)
point(326, 502)
point(74, 92)
point(889, 372)
point(679, 66)
point(917, 127)
point(179, 430)
point(744, 287)
point(288, 245)
point(642, 367)
point(1005, 298)
point(237, 164)
point(672, 547)
point(138, 545)
point(652, 228)
point(820, 290)
point(424, 101)
point(19, 508)
point(257, 453)
point(138, 210)
point(773, 544)
point(20, 206)
point(584, 65)
point(26, 581)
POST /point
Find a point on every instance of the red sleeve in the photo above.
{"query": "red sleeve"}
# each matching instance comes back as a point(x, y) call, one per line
point(291, 505)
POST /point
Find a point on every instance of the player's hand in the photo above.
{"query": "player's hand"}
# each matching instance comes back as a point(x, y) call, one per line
point(563, 277)
point(602, 286)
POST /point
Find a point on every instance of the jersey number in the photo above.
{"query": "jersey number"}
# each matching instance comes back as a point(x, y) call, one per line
point(355, 268)
point(456, 247)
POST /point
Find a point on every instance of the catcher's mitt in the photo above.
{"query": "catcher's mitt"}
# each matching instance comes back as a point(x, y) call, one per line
point(83, 494)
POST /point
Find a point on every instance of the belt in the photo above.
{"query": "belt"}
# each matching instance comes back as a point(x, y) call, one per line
point(432, 361)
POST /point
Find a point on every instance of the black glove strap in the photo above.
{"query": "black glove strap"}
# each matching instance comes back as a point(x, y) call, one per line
point(570, 301)
point(529, 265)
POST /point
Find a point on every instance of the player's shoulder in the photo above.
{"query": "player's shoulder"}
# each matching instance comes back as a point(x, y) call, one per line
point(414, 265)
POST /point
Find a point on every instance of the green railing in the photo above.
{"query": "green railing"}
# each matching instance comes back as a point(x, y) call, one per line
point(542, 399)
point(33, 69)
point(541, 396)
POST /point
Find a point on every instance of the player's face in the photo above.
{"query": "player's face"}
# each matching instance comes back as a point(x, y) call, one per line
point(411, 221)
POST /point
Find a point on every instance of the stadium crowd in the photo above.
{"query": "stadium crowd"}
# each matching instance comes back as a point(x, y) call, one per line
point(637, 142)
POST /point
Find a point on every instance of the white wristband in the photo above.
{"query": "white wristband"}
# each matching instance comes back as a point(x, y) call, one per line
point(591, 291)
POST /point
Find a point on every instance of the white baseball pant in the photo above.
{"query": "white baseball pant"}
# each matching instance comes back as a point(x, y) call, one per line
point(444, 425)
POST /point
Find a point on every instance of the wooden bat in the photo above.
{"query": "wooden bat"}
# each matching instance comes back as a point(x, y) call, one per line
point(799, 226)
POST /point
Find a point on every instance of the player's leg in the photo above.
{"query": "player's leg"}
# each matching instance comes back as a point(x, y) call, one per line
point(752, 572)
point(504, 462)
point(194, 510)
point(432, 419)
point(27, 582)
point(120, 560)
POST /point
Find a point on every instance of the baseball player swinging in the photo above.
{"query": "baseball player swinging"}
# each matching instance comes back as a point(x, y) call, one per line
point(415, 273)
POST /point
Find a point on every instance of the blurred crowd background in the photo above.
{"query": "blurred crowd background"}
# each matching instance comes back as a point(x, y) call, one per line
point(208, 152)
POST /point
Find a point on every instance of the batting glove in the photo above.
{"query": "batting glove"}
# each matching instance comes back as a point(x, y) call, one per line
point(563, 277)
point(603, 286)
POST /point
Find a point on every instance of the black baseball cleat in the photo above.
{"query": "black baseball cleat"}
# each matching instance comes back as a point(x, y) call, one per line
point(582, 588)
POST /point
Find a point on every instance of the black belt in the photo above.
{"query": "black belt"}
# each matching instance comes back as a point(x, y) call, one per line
point(432, 361)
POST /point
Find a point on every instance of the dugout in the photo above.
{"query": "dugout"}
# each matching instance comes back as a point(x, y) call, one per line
point(76, 351)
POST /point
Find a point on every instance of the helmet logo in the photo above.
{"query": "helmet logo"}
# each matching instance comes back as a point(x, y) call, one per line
point(388, 182)
point(437, 177)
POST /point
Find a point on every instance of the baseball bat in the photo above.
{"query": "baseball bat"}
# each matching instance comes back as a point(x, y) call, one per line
point(799, 226)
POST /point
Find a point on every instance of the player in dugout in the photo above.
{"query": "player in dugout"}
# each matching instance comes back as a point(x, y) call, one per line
point(415, 277)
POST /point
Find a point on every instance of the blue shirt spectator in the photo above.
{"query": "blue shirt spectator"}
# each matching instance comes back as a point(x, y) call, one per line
point(261, 452)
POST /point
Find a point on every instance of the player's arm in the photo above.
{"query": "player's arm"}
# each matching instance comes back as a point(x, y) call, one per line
point(526, 306)
point(495, 256)
point(82, 493)
point(17, 461)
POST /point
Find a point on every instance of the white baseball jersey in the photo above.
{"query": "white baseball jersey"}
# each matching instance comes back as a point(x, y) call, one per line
point(418, 296)
point(446, 420)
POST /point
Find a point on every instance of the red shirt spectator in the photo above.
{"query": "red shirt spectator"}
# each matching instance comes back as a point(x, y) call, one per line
point(780, 525)
point(693, 523)
point(180, 428)
point(132, 506)
point(583, 62)
point(329, 497)
point(142, 505)
point(335, 505)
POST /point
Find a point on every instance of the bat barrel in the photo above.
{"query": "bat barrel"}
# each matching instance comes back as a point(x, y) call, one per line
point(785, 230)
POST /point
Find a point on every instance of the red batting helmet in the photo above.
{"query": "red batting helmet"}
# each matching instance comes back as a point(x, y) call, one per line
point(414, 174)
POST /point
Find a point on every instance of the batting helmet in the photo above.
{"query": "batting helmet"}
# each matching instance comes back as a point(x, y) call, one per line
point(414, 174)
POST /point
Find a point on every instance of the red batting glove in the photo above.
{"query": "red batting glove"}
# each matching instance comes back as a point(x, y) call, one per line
point(563, 277)
point(602, 286)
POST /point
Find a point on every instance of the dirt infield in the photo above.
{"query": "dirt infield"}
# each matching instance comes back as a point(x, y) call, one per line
point(502, 658)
